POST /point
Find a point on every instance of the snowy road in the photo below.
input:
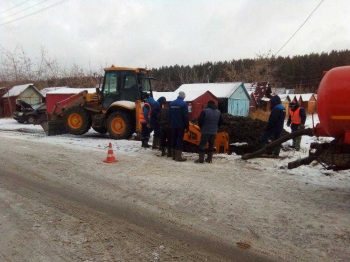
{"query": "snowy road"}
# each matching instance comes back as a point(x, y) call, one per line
point(44, 218)
point(59, 201)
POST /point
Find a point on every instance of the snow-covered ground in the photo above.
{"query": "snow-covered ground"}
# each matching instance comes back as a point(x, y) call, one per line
point(299, 214)
point(95, 141)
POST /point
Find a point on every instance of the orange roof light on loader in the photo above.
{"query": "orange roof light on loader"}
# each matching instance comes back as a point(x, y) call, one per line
point(122, 68)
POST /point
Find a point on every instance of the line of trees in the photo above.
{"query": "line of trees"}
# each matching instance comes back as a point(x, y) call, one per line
point(302, 72)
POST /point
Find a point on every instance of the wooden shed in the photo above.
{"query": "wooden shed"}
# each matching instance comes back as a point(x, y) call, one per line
point(59, 94)
point(233, 98)
point(28, 93)
point(46, 90)
point(3, 90)
point(308, 101)
point(196, 101)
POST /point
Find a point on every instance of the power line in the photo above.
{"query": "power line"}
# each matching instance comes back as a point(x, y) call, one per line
point(25, 9)
point(33, 13)
point(307, 18)
point(13, 7)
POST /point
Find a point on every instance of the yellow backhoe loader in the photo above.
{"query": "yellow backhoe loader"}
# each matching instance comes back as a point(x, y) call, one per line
point(114, 108)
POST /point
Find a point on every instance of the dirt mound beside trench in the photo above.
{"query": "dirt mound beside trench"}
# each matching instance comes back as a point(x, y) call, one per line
point(243, 130)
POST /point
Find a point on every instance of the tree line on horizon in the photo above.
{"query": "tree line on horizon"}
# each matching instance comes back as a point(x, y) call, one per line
point(301, 72)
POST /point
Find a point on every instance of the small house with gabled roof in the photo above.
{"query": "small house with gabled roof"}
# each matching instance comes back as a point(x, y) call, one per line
point(196, 101)
point(233, 98)
point(27, 93)
point(308, 101)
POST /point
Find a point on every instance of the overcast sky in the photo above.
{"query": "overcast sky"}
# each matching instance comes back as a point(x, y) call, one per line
point(166, 32)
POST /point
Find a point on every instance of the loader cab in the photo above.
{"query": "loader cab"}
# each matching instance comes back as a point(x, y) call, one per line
point(128, 84)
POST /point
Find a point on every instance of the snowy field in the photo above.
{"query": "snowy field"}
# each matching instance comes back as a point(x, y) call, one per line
point(294, 215)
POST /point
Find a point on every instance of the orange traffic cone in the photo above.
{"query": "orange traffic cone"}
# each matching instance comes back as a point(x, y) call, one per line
point(110, 155)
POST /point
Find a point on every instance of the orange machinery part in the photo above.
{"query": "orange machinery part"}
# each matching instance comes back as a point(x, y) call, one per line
point(193, 136)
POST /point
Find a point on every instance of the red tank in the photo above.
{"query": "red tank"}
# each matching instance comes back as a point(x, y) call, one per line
point(333, 104)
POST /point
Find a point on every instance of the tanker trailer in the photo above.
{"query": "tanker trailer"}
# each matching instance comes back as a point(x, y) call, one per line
point(333, 108)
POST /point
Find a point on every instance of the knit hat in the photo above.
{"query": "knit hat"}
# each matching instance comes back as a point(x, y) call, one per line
point(161, 100)
point(182, 94)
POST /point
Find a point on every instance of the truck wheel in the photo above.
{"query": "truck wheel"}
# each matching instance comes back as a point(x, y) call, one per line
point(120, 125)
point(101, 129)
point(77, 121)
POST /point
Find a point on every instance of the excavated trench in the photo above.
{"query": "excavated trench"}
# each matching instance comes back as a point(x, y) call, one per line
point(244, 132)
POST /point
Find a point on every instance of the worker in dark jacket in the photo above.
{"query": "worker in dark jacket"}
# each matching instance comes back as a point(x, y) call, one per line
point(296, 121)
point(178, 114)
point(165, 131)
point(275, 124)
point(209, 122)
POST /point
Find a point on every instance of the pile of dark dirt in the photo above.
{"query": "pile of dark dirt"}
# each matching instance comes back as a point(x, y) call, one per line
point(243, 130)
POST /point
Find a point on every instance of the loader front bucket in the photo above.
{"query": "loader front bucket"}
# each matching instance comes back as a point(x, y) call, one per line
point(54, 127)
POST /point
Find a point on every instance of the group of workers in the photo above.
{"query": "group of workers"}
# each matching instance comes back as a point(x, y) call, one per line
point(170, 121)
point(296, 120)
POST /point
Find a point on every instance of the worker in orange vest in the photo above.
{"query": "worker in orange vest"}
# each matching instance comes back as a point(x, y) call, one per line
point(296, 121)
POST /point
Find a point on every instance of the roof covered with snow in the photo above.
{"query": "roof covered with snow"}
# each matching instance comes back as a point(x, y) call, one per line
point(69, 90)
point(171, 96)
point(304, 97)
point(250, 87)
point(17, 90)
point(284, 97)
point(49, 89)
point(220, 90)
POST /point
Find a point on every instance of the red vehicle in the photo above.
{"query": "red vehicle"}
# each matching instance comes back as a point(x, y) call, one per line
point(333, 103)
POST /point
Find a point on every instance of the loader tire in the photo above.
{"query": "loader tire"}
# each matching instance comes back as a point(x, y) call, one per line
point(120, 125)
point(102, 130)
point(77, 121)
